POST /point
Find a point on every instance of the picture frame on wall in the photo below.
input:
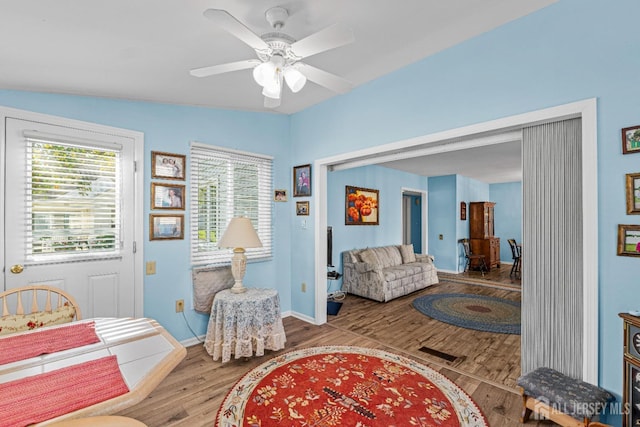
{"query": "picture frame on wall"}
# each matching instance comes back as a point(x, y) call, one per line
point(302, 181)
point(167, 196)
point(166, 227)
point(361, 206)
point(629, 240)
point(463, 211)
point(633, 193)
point(302, 208)
point(631, 140)
point(280, 195)
point(168, 165)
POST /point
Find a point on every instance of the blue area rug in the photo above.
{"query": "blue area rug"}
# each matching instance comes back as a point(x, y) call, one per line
point(482, 313)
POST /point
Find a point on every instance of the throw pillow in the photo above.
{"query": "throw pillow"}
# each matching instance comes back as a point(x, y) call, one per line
point(370, 257)
point(407, 254)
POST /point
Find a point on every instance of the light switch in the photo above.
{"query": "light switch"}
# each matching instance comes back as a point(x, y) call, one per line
point(151, 267)
point(440, 237)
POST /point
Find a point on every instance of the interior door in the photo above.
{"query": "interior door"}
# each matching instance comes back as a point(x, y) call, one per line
point(69, 209)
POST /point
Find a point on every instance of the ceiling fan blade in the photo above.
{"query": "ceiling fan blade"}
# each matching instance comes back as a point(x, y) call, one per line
point(224, 68)
point(271, 102)
point(236, 28)
point(323, 78)
point(330, 38)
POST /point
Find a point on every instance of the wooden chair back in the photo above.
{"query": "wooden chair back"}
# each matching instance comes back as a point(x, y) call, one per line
point(33, 297)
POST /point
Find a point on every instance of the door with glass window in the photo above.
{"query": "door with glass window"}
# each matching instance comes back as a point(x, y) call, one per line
point(68, 209)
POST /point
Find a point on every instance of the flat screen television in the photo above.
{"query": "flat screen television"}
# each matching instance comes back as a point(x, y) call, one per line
point(329, 246)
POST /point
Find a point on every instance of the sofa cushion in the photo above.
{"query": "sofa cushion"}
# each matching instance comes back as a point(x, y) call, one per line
point(369, 256)
point(407, 253)
point(388, 256)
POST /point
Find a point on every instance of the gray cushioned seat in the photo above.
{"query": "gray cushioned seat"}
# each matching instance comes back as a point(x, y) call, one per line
point(571, 396)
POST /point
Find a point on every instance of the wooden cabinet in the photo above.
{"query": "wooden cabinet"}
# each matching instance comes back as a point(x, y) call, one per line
point(490, 248)
point(631, 371)
point(481, 220)
point(481, 232)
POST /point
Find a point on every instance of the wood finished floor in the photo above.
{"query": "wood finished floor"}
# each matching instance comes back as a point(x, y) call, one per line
point(191, 394)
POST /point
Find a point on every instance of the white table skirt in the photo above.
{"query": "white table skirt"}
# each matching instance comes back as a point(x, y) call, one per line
point(242, 324)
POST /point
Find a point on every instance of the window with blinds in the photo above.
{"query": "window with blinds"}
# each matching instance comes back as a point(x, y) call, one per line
point(72, 204)
point(226, 184)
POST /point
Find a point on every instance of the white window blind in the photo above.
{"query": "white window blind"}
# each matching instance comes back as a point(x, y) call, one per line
point(72, 199)
point(226, 184)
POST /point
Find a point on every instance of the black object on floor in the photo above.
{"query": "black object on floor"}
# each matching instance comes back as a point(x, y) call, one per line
point(437, 353)
point(333, 307)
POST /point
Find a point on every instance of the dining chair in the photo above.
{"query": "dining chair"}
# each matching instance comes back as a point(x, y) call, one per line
point(35, 306)
point(516, 254)
point(473, 259)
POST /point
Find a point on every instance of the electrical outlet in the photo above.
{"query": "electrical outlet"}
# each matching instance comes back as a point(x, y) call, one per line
point(440, 236)
point(151, 267)
point(304, 287)
point(179, 306)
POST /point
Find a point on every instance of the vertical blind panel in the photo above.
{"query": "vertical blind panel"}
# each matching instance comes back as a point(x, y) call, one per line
point(72, 200)
point(552, 316)
point(225, 185)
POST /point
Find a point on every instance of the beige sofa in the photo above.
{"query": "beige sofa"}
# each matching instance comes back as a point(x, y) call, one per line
point(386, 272)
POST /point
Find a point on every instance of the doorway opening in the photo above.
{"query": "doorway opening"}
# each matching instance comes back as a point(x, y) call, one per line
point(415, 220)
point(461, 138)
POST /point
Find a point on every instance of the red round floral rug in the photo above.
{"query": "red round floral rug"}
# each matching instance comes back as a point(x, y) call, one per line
point(346, 386)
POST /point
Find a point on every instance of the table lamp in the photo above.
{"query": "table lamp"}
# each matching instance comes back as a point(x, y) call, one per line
point(239, 235)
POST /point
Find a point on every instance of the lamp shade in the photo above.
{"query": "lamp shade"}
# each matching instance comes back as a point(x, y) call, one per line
point(240, 234)
point(294, 78)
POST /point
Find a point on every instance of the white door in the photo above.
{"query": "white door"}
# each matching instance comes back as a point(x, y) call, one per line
point(69, 209)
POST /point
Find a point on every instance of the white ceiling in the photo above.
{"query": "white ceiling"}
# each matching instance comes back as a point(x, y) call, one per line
point(144, 49)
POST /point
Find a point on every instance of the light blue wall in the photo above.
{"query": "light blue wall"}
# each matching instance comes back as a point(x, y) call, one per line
point(507, 215)
point(585, 50)
point(389, 182)
point(569, 51)
point(170, 128)
point(443, 214)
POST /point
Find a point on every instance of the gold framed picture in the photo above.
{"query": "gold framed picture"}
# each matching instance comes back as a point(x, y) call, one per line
point(280, 195)
point(302, 208)
point(629, 240)
point(167, 165)
point(167, 196)
point(633, 193)
point(166, 227)
point(302, 181)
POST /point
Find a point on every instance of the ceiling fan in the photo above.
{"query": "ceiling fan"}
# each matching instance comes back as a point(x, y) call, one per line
point(279, 55)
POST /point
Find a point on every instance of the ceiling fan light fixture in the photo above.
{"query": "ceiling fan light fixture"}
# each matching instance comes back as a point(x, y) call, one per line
point(273, 87)
point(263, 72)
point(294, 78)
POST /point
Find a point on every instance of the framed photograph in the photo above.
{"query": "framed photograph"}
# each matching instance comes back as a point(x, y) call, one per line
point(167, 196)
point(633, 193)
point(631, 394)
point(280, 195)
point(302, 208)
point(166, 227)
point(631, 140)
point(629, 240)
point(361, 206)
point(302, 181)
point(463, 211)
point(167, 165)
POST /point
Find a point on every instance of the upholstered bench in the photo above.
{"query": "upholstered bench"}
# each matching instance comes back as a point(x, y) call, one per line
point(563, 400)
